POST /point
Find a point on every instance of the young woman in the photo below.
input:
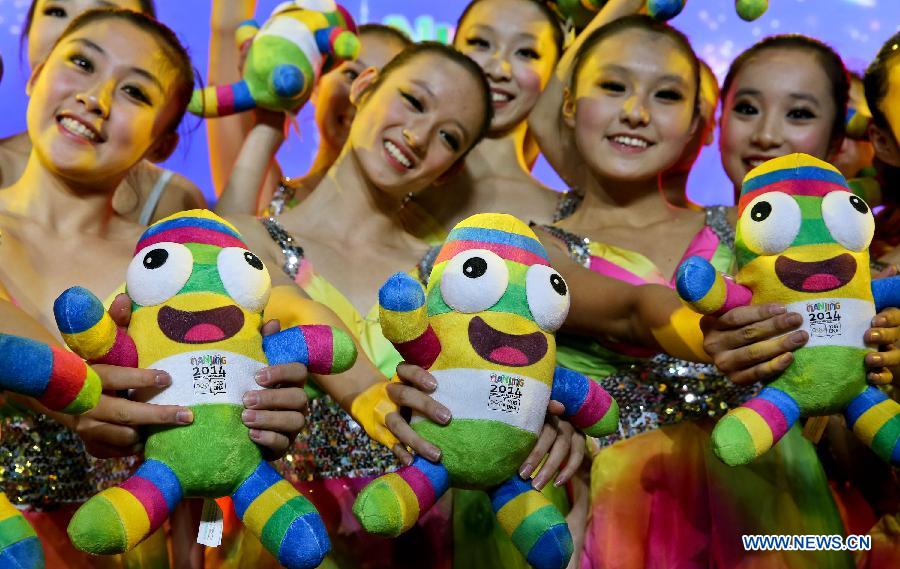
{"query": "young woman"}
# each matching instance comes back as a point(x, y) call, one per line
point(148, 192)
point(109, 94)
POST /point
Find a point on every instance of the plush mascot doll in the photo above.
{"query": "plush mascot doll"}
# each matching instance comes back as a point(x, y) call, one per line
point(197, 298)
point(301, 40)
point(60, 381)
point(484, 329)
point(580, 12)
point(802, 240)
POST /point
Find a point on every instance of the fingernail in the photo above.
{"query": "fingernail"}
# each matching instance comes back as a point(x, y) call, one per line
point(558, 482)
point(525, 471)
point(875, 335)
point(879, 321)
point(443, 415)
point(798, 337)
point(786, 359)
point(185, 416)
point(248, 416)
point(263, 377)
point(163, 379)
point(255, 434)
point(538, 483)
point(794, 319)
point(777, 309)
point(434, 454)
point(430, 384)
point(876, 359)
point(250, 399)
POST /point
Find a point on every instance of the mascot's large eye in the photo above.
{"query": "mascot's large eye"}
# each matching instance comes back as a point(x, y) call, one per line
point(548, 297)
point(158, 272)
point(849, 220)
point(474, 280)
point(770, 223)
point(245, 278)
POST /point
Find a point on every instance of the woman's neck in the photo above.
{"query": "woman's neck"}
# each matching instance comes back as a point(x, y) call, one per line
point(347, 208)
point(325, 158)
point(637, 204)
point(50, 201)
point(503, 157)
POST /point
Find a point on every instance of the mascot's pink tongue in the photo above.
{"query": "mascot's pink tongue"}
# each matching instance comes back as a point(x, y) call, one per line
point(821, 281)
point(204, 333)
point(509, 356)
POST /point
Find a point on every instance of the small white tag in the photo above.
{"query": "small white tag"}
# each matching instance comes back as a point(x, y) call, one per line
point(210, 533)
point(835, 321)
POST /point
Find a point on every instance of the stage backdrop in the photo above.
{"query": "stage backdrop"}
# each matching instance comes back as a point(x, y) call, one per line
point(856, 28)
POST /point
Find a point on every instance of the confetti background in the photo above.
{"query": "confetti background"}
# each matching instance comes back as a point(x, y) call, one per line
point(855, 28)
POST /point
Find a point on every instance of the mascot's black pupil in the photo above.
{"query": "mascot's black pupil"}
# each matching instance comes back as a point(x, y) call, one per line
point(253, 260)
point(761, 211)
point(156, 258)
point(858, 204)
point(558, 284)
point(474, 267)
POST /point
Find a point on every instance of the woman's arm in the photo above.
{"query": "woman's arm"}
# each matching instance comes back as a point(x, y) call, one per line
point(250, 172)
point(546, 120)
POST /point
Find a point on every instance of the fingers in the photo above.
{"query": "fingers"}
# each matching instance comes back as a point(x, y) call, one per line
point(115, 378)
point(885, 328)
point(406, 435)
point(719, 340)
point(760, 360)
point(285, 422)
point(417, 377)
point(275, 444)
point(124, 412)
point(105, 440)
point(545, 441)
point(576, 455)
point(283, 375)
point(558, 453)
point(120, 310)
point(880, 377)
point(762, 372)
point(271, 327)
point(555, 408)
point(746, 315)
point(406, 396)
point(286, 399)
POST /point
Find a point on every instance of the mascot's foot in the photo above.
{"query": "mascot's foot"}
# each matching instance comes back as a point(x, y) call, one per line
point(387, 506)
point(732, 440)
point(19, 546)
point(98, 528)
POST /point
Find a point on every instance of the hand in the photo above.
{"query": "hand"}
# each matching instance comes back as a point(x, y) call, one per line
point(884, 334)
point(276, 416)
point(751, 343)
point(410, 393)
point(563, 443)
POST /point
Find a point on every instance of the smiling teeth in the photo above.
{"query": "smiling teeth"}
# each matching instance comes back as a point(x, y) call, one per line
point(76, 127)
point(755, 163)
point(500, 97)
point(395, 152)
point(629, 141)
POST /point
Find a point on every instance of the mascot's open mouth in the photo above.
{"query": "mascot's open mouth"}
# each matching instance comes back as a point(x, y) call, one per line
point(506, 349)
point(200, 327)
point(818, 276)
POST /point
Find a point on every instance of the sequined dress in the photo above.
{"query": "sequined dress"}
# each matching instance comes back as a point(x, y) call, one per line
point(659, 496)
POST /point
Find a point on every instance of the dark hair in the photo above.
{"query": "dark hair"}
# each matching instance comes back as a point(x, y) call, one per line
point(831, 63)
point(638, 22)
point(170, 43)
point(148, 7)
point(876, 79)
point(386, 31)
point(439, 49)
point(545, 10)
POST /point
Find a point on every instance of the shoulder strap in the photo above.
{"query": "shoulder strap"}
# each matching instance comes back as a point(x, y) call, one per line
point(717, 220)
point(293, 253)
point(153, 198)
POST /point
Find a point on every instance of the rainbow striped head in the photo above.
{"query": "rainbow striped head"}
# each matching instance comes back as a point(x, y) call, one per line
point(493, 285)
point(194, 282)
point(799, 221)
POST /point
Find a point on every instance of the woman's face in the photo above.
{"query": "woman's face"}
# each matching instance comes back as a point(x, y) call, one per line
point(419, 121)
point(634, 106)
point(855, 155)
point(513, 43)
point(52, 16)
point(779, 103)
point(102, 101)
point(334, 112)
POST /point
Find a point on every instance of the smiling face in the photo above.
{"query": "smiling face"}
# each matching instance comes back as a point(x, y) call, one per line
point(334, 111)
point(634, 105)
point(51, 17)
point(513, 42)
point(800, 224)
point(412, 126)
point(101, 102)
point(779, 103)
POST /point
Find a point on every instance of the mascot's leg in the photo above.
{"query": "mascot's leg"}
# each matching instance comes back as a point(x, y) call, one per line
point(537, 528)
point(286, 523)
point(19, 546)
point(118, 518)
point(875, 418)
point(391, 504)
point(753, 428)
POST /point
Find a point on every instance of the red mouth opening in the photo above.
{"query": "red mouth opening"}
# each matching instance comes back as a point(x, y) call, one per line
point(510, 350)
point(201, 327)
point(818, 276)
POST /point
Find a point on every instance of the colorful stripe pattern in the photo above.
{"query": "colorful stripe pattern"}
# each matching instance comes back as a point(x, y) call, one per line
point(536, 526)
point(90, 331)
point(60, 380)
point(589, 407)
point(753, 428)
point(875, 418)
point(322, 349)
point(287, 524)
point(708, 291)
point(20, 547)
point(398, 498)
point(193, 226)
point(404, 320)
point(809, 177)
